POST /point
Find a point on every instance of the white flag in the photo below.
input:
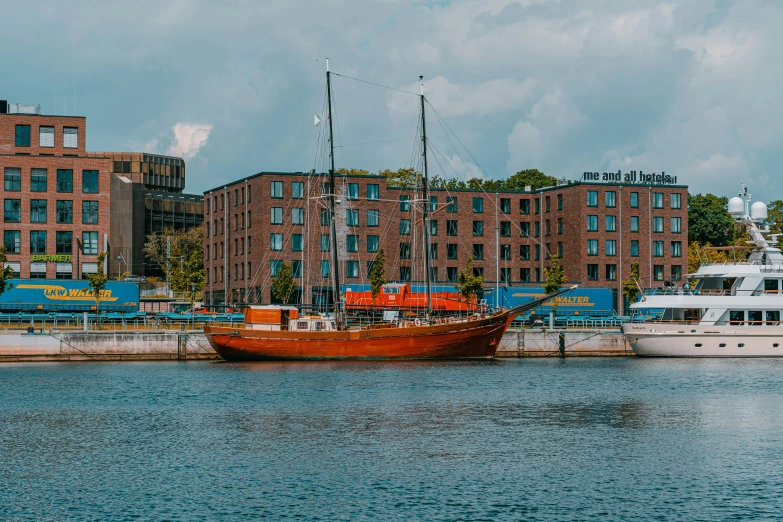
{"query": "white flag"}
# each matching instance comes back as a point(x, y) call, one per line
point(316, 121)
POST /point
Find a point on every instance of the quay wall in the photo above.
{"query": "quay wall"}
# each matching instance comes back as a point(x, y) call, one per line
point(576, 343)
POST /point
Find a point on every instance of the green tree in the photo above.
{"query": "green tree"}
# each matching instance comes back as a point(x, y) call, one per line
point(630, 288)
point(283, 284)
point(437, 182)
point(775, 219)
point(467, 283)
point(377, 275)
point(533, 177)
point(709, 221)
point(5, 273)
point(402, 178)
point(98, 283)
point(354, 172)
point(554, 278)
point(186, 264)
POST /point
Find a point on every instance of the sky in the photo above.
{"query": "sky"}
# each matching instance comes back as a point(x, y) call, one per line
point(689, 88)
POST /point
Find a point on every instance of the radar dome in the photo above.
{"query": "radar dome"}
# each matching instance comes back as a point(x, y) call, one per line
point(736, 206)
point(758, 211)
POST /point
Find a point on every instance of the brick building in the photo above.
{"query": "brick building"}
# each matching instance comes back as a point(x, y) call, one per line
point(597, 229)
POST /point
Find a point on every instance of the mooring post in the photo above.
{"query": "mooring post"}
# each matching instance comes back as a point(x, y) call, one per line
point(561, 339)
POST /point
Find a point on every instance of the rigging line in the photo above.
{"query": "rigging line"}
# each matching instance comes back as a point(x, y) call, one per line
point(339, 135)
point(376, 84)
point(374, 142)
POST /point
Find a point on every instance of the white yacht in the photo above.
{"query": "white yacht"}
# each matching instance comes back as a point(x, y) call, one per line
point(727, 309)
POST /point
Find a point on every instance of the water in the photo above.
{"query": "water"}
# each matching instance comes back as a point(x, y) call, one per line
point(580, 439)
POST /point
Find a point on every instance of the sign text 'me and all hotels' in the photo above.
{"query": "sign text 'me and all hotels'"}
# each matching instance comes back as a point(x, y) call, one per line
point(633, 176)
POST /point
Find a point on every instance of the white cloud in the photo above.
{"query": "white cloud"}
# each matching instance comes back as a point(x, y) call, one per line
point(189, 138)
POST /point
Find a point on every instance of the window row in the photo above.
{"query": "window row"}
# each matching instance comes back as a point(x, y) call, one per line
point(610, 199)
point(675, 248)
point(12, 211)
point(12, 239)
point(63, 269)
point(46, 136)
point(610, 224)
point(611, 273)
point(39, 182)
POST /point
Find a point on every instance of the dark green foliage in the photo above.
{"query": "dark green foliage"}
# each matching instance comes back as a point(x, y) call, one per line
point(709, 221)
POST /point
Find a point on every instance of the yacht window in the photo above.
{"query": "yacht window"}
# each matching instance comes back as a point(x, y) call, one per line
point(773, 317)
point(754, 317)
point(736, 317)
point(771, 286)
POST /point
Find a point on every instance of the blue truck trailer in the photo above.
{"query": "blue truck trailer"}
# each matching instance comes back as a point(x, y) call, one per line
point(67, 295)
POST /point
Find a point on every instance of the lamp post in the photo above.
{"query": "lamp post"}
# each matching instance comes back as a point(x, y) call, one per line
point(119, 270)
point(193, 303)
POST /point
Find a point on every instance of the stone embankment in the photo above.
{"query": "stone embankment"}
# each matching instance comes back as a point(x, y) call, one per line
point(574, 343)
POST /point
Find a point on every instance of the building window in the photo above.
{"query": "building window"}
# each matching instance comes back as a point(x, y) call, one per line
point(611, 198)
point(560, 249)
point(524, 229)
point(559, 225)
point(451, 251)
point(538, 252)
point(70, 138)
point(634, 248)
point(505, 275)
point(297, 216)
point(592, 247)
point(675, 200)
point(611, 272)
point(658, 248)
point(478, 252)
point(64, 242)
point(451, 203)
point(12, 210)
point(324, 268)
point(451, 274)
point(89, 212)
point(657, 199)
point(352, 217)
point(372, 192)
point(352, 269)
point(559, 202)
point(325, 221)
point(505, 252)
point(297, 190)
point(592, 272)
point(274, 267)
point(547, 227)
point(405, 273)
point(537, 205)
point(276, 215)
point(277, 189)
point(451, 227)
point(634, 223)
point(12, 239)
point(547, 203)
point(373, 218)
point(373, 243)
point(592, 198)
point(325, 243)
point(22, 136)
point(676, 249)
point(405, 203)
point(505, 229)
point(524, 275)
point(13, 179)
point(352, 191)
point(433, 273)
point(657, 224)
point(634, 200)
point(352, 243)
point(296, 268)
point(433, 203)
point(276, 242)
point(505, 206)
point(296, 242)
point(611, 247)
point(433, 251)
point(676, 273)
point(478, 271)
point(592, 223)
point(37, 270)
point(433, 227)
point(37, 211)
point(524, 252)
point(46, 136)
point(478, 229)
point(63, 271)
point(64, 180)
point(536, 229)
point(676, 224)
point(405, 250)
point(478, 205)
point(38, 180)
point(38, 241)
point(658, 272)
point(611, 223)
point(405, 227)
point(90, 181)
point(524, 206)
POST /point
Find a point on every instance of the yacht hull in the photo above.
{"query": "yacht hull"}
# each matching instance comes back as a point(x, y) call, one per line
point(470, 339)
point(671, 340)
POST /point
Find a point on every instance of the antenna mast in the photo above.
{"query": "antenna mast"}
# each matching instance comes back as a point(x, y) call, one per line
point(332, 195)
point(426, 193)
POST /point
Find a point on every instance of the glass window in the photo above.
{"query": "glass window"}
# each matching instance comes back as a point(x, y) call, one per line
point(547, 227)
point(676, 273)
point(634, 223)
point(38, 180)
point(296, 242)
point(373, 218)
point(70, 138)
point(592, 272)
point(451, 251)
point(773, 317)
point(634, 248)
point(352, 217)
point(611, 247)
point(274, 267)
point(433, 227)
point(297, 190)
point(634, 200)
point(46, 136)
point(611, 272)
point(505, 205)
point(505, 229)
point(611, 223)
point(297, 216)
point(478, 252)
point(37, 211)
point(676, 249)
point(405, 203)
point(560, 225)
point(559, 202)
point(505, 252)
point(592, 247)
point(524, 206)
point(736, 316)
point(373, 243)
point(524, 275)
point(451, 273)
point(433, 251)
point(352, 243)
point(433, 203)
point(277, 189)
point(452, 204)
point(658, 248)
point(611, 198)
point(12, 241)
point(373, 192)
point(675, 201)
point(592, 223)
point(405, 250)
point(353, 191)
point(658, 272)
point(64, 180)
point(22, 136)
point(405, 273)
point(592, 198)
point(13, 179)
point(478, 228)
point(536, 229)
point(64, 242)
point(90, 181)
point(657, 224)
point(352, 269)
point(524, 252)
point(13, 210)
point(451, 227)
point(505, 275)
point(89, 212)
point(405, 227)
point(524, 229)
point(657, 199)
point(276, 242)
point(296, 268)
point(478, 205)
point(676, 224)
point(560, 249)
point(38, 241)
point(276, 215)
point(325, 242)
point(325, 221)
point(324, 268)
point(538, 252)
point(537, 205)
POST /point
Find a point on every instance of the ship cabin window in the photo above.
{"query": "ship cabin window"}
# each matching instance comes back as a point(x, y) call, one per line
point(391, 290)
point(771, 286)
point(755, 317)
point(318, 326)
point(736, 317)
point(692, 315)
point(302, 325)
point(773, 318)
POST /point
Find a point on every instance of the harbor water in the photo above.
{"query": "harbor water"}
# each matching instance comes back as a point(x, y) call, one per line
point(531, 439)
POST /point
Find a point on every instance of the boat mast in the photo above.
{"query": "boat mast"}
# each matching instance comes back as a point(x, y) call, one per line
point(332, 195)
point(426, 192)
